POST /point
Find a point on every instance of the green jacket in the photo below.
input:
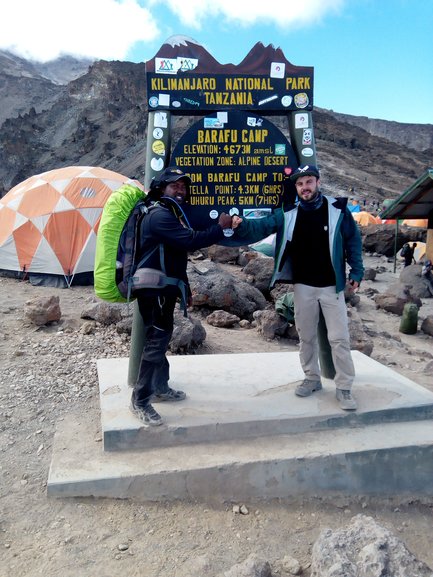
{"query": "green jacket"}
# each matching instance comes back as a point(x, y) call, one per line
point(344, 240)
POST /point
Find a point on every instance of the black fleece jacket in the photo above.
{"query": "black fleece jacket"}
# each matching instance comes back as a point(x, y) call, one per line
point(162, 225)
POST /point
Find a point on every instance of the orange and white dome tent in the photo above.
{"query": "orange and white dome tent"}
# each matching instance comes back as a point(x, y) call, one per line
point(416, 222)
point(365, 218)
point(49, 222)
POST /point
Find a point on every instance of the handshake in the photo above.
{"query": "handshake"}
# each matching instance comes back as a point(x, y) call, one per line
point(227, 221)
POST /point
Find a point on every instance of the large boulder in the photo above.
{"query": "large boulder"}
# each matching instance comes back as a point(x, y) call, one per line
point(188, 334)
point(395, 298)
point(419, 286)
point(364, 549)
point(220, 253)
point(104, 313)
point(427, 325)
point(222, 319)
point(380, 238)
point(43, 310)
point(270, 324)
point(213, 288)
point(370, 274)
point(259, 272)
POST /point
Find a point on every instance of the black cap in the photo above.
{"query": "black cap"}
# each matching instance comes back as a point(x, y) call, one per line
point(173, 174)
point(307, 170)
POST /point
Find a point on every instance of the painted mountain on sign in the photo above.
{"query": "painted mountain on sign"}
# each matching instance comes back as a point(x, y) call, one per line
point(257, 61)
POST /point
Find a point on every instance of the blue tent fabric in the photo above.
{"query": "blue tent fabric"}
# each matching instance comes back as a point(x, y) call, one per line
point(354, 207)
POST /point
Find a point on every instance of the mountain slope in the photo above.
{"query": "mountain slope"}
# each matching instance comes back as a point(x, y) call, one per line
point(25, 85)
point(416, 136)
point(100, 119)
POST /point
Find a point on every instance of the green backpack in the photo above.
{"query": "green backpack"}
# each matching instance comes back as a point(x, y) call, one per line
point(109, 256)
point(117, 271)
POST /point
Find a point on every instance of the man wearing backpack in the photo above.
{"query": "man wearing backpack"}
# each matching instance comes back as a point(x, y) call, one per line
point(407, 252)
point(166, 236)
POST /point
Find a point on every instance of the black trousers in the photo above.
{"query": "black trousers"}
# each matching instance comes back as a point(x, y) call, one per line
point(154, 372)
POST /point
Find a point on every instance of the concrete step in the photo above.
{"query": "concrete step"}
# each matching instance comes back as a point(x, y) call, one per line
point(393, 459)
point(243, 434)
point(232, 397)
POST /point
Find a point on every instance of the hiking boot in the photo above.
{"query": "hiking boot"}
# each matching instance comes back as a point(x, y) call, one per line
point(307, 387)
point(170, 396)
point(146, 414)
point(346, 400)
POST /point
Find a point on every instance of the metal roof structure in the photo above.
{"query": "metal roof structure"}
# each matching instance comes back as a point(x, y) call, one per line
point(416, 202)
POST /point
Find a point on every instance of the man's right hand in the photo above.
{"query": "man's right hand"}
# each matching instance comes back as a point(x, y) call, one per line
point(236, 221)
point(225, 220)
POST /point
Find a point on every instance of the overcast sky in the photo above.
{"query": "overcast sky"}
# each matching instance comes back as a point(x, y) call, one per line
point(370, 57)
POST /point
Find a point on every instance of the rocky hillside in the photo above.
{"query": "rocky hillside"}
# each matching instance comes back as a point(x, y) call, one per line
point(99, 118)
point(25, 85)
point(416, 136)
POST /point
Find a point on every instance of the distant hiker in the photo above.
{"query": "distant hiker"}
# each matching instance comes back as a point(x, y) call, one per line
point(407, 253)
point(307, 231)
point(166, 237)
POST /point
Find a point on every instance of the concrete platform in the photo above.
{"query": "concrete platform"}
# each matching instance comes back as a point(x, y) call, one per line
point(395, 459)
point(242, 434)
point(251, 395)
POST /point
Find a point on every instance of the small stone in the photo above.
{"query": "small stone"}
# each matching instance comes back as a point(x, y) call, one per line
point(291, 565)
point(123, 546)
point(244, 510)
point(236, 509)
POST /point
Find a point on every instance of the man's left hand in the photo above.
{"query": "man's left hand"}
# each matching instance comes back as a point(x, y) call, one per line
point(353, 285)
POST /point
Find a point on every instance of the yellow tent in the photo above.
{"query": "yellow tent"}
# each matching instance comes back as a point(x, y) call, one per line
point(419, 252)
point(365, 218)
point(418, 222)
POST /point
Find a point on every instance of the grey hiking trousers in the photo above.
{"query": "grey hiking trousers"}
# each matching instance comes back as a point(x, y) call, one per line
point(308, 300)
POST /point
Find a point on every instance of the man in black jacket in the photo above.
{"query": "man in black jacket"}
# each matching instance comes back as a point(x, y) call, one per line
point(166, 235)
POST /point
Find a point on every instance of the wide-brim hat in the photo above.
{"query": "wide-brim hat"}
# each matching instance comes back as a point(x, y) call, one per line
point(307, 170)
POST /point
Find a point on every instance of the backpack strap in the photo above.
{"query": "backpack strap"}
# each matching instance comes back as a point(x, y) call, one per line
point(180, 284)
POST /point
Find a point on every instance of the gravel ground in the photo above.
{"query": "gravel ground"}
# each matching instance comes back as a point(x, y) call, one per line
point(49, 372)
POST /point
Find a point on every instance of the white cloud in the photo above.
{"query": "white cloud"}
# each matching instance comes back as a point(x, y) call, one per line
point(44, 29)
point(247, 12)
point(107, 29)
